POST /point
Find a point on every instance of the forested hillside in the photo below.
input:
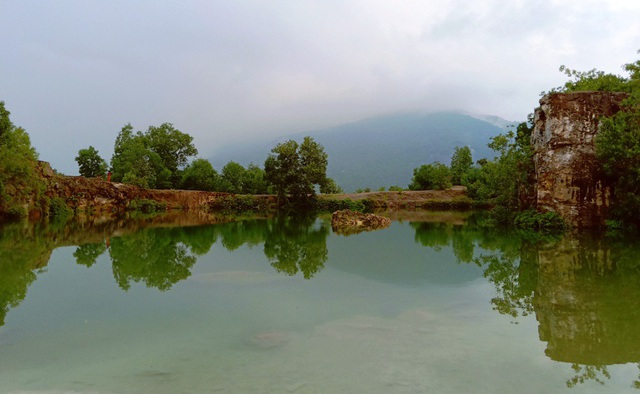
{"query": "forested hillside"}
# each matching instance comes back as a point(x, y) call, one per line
point(383, 151)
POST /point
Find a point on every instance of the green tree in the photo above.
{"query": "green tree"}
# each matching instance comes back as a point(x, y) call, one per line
point(152, 159)
point(434, 176)
point(461, 162)
point(200, 175)
point(294, 170)
point(233, 176)
point(90, 163)
point(172, 146)
point(254, 180)
point(18, 163)
point(508, 179)
point(330, 187)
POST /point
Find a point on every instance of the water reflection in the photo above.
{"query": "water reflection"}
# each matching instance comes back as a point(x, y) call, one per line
point(583, 291)
point(149, 252)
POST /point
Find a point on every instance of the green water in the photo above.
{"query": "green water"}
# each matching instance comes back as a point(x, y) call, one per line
point(278, 306)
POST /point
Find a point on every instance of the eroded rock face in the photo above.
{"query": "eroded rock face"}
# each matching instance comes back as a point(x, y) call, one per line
point(563, 140)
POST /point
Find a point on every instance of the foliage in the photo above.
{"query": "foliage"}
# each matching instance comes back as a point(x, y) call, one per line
point(233, 175)
point(90, 163)
point(254, 180)
point(59, 210)
point(532, 220)
point(461, 163)
point(329, 205)
point(618, 150)
point(146, 206)
point(395, 189)
point(330, 187)
point(153, 159)
point(200, 175)
point(434, 176)
point(19, 181)
point(294, 170)
point(507, 180)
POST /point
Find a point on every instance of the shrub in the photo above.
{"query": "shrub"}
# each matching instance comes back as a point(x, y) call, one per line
point(547, 221)
point(59, 210)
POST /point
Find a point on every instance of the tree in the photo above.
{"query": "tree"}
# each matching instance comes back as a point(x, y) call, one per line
point(507, 180)
point(152, 159)
point(90, 163)
point(233, 175)
point(461, 162)
point(173, 146)
point(254, 180)
point(200, 175)
point(434, 176)
point(294, 170)
point(18, 163)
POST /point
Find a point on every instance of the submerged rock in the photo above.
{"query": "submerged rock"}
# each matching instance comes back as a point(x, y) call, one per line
point(349, 222)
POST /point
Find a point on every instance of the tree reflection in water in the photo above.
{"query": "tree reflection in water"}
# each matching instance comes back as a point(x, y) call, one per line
point(583, 290)
point(297, 245)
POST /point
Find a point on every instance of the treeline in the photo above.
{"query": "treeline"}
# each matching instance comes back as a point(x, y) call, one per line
point(505, 182)
point(159, 159)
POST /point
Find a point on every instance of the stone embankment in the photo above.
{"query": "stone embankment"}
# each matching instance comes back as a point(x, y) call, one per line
point(566, 166)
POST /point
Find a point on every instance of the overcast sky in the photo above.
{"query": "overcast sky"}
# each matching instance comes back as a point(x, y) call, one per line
point(72, 73)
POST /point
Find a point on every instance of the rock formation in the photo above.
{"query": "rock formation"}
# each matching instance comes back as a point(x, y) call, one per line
point(347, 222)
point(564, 155)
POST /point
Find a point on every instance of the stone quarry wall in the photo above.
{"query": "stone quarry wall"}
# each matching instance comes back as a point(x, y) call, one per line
point(563, 139)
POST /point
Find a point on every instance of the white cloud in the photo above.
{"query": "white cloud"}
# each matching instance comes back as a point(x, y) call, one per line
point(73, 72)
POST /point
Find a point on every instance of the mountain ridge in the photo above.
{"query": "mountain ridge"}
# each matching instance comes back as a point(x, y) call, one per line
point(382, 151)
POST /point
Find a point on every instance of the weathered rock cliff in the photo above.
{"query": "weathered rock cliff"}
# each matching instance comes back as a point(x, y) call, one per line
point(563, 140)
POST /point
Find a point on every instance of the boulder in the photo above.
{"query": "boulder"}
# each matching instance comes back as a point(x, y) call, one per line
point(347, 222)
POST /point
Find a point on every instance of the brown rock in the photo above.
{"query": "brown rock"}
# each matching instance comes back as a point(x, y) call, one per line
point(349, 222)
point(566, 167)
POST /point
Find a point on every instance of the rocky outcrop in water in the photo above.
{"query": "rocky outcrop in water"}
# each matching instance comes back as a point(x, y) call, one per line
point(566, 168)
point(350, 222)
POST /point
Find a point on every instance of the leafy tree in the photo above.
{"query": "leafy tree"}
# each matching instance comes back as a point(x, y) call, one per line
point(233, 176)
point(200, 175)
point(461, 162)
point(18, 163)
point(152, 159)
point(434, 176)
point(507, 180)
point(294, 170)
point(173, 146)
point(254, 180)
point(330, 187)
point(90, 163)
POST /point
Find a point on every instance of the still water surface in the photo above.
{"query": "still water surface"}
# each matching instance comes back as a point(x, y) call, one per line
point(284, 305)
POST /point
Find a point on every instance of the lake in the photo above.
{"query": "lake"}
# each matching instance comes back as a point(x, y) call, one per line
point(287, 306)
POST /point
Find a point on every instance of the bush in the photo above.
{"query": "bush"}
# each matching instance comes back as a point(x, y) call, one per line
point(323, 205)
point(59, 210)
point(146, 206)
point(547, 221)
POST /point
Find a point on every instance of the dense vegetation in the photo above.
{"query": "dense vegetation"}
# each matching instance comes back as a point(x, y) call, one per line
point(19, 182)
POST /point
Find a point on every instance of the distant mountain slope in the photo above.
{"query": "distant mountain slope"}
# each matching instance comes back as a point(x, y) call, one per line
point(383, 151)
